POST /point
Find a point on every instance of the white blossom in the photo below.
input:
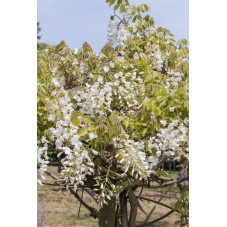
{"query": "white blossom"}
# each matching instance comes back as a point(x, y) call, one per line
point(92, 136)
point(171, 109)
point(76, 51)
point(106, 69)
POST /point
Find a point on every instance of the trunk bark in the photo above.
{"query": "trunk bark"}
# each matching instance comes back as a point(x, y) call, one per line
point(123, 209)
point(183, 173)
point(107, 214)
point(133, 204)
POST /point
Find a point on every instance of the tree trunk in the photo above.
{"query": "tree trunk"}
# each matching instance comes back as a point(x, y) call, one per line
point(183, 173)
point(133, 204)
point(107, 214)
point(123, 209)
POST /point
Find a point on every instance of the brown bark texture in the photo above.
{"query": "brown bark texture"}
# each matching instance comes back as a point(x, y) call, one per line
point(107, 214)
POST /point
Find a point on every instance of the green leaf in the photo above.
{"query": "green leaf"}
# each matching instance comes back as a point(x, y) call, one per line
point(101, 129)
point(126, 123)
point(127, 2)
point(147, 17)
point(177, 222)
point(53, 101)
point(122, 9)
point(42, 92)
point(186, 104)
point(74, 119)
point(143, 56)
point(156, 74)
point(172, 40)
point(150, 105)
point(108, 51)
point(83, 132)
point(143, 8)
point(163, 115)
point(148, 78)
point(154, 40)
point(112, 2)
point(145, 130)
point(91, 128)
point(180, 89)
point(114, 174)
point(134, 19)
point(163, 103)
point(116, 6)
point(86, 120)
point(146, 73)
point(87, 48)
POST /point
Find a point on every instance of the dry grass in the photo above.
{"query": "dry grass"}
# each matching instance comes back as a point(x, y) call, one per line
point(62, 209)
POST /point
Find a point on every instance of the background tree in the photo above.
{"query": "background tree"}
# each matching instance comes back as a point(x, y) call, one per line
point(38, 36)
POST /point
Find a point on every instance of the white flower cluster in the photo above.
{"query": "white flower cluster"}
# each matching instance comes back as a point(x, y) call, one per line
point(158, 58)
point(117, 34)
point(134, 27)
point(42, 158)
point(126, 88)
point(77, 166)
point(172, 82)
point(97, 98)
point(64, 135)
point(131, 157)
point(93, 99)
point(171, 140)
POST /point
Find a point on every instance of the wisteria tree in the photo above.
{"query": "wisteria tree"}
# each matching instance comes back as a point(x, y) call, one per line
point(115, 117)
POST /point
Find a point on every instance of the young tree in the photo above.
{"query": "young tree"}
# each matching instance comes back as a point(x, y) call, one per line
point(38, 36)
point(115, 117)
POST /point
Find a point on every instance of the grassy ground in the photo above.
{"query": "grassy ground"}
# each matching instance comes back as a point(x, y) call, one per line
point(61, 210)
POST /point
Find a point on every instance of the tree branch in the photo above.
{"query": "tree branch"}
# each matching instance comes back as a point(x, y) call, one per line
point(94, 212)
point(173, 184)
point(165, 185)
point(161, 162)
point(55, 164)
point(154, 201)
point(51, 175)
point(49, 184)
point(91, 193)
point(156, 220)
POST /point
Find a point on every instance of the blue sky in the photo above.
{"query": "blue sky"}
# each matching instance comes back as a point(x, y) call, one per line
point(76, 21)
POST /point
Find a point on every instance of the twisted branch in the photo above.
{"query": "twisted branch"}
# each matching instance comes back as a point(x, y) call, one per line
point(173, 184)
point(94, 212)
point(156, 220)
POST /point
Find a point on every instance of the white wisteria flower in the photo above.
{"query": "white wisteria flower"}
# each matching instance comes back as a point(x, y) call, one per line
point(51, 117)
point(55, 82)
point(163, 122)
point(92, 136)
point(95, 152)
point(76, 51)
point(112, 65)
point(106, 69)
point(171, 109)
point(175, 122)
point(100, 79)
